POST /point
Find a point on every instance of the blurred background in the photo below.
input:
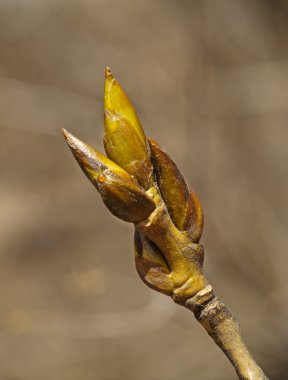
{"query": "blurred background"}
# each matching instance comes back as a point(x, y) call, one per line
point(209, 80)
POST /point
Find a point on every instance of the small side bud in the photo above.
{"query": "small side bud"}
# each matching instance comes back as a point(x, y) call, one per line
point(119, 191)
point(183, 205)
point(151, 265)
point(124, 141)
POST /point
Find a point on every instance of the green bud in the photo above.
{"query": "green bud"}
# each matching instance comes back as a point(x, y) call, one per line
point(119, 191)
point(124, 141)
point(183, 205)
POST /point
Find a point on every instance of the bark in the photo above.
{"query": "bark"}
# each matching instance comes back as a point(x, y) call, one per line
point(224, 329)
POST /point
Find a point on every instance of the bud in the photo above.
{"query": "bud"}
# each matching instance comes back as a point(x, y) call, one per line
point(124, 141)
point(183, 205)
point(151, 265)
point(119, 191)
point(194, 220)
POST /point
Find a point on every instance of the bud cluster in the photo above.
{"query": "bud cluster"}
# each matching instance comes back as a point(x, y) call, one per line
point(136, 176)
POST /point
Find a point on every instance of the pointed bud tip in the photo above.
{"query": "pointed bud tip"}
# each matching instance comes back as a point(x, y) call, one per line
point(71, 140)
point(153, 144)
point(80, 150)
point(68, 136)
point(65, 133)
point(108, 73)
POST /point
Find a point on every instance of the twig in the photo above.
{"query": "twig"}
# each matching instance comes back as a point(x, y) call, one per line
point(139, 183)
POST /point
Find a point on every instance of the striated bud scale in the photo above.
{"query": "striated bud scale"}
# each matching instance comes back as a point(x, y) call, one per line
point(122, 195)
point(124, 140)
point(183, 204)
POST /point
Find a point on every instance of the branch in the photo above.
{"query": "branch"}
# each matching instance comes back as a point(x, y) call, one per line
point(139, 183)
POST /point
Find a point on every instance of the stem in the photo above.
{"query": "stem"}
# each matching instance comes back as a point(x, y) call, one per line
point(191, 289)
point(224, 329)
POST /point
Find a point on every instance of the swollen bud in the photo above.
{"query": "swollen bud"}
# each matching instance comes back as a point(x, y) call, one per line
point(183, 205)
point(124, 141)
point(119, 191)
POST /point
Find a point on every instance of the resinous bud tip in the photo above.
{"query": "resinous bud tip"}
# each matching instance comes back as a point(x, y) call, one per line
point(125, 142)
point(119, 191)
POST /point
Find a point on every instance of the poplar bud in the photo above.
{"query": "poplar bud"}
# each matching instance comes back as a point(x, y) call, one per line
point(183, 204)
point(124, 141)
point(151, 265)
point(122, 195)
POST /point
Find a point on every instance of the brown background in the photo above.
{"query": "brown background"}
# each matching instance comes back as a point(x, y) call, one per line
point(210, 82)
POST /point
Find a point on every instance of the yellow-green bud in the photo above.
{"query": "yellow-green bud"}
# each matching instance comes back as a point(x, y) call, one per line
point(124, 141)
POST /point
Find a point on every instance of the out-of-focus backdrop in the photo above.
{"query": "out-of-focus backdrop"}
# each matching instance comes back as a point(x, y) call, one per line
point(210, 82)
